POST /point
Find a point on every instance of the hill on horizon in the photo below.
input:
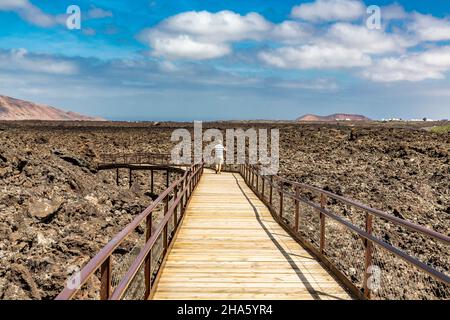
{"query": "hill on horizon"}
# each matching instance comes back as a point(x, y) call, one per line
point(15, 109)
point(333, 117)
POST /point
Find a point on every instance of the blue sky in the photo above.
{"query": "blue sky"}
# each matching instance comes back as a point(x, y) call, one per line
point(205, 60)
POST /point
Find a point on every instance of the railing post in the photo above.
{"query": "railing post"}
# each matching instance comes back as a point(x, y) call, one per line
point(263, 184)
point(166, 204)
point(257, 182)
point(271, 191)
point(281, 200)
point(167, 178)
point(183, 199)
point(322, 223)
point(253, 178)
point(198, 176)
point(187, 188)
point(149, 226)
point(105, 279)
point(130, 181)
point(151, 181)
point(368, 256)
point(175, 210)
point(297, 209)
point(148, 260)
point(165, 240)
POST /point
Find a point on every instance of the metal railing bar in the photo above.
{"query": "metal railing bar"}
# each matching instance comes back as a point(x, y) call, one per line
point(401, 254)
point(407, 224)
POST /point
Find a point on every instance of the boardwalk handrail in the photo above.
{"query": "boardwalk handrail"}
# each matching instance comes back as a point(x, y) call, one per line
point(252, 175)
point(145, 253)
point(136, 158)
point(412, 226)
point(103, 260)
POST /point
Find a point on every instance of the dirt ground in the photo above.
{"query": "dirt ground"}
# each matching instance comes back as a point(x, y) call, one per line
point(57, 210)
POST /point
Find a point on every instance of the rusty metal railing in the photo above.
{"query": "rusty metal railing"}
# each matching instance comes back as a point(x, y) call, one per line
point(315, 222)
point(136, 158)
point(181, 191)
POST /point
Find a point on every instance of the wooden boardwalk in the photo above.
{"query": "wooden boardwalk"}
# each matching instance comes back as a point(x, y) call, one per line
point(230, 247)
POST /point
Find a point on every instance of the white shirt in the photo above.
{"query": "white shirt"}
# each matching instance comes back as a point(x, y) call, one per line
point(218, 149)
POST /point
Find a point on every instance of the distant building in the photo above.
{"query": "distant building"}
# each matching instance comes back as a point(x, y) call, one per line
point(392, 119)
point(410, 120)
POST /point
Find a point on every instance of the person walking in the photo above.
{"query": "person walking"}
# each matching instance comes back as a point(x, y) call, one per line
point(218, 151)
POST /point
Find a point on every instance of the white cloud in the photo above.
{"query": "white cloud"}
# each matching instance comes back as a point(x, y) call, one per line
point(13, 4)
point(209, 35)
point(315, 84)
point(99, 13)
point(30, 12)
point(203, 35)
point(315, 57)
point(167, 66)
point(184, 46)
point(291, 32)
point(430, 64)
point(429, 28)
point(329, 10)
point(221, 26)
point(20, 59)
point(89, 31)
point(368, 41)
point(438, 57)
point(400, 69)
point(343, 45)
point(393, 12)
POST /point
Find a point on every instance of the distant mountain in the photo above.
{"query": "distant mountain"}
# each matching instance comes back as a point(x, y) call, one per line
point(333, 117)
point(15, 109)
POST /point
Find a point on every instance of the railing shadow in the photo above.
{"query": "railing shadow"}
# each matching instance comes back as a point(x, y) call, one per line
point(280, 248)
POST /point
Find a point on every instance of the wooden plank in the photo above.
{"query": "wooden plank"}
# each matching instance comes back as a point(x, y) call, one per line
point(247, 296)
point(248, 288)
point(229, 247)
point(217, 271)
